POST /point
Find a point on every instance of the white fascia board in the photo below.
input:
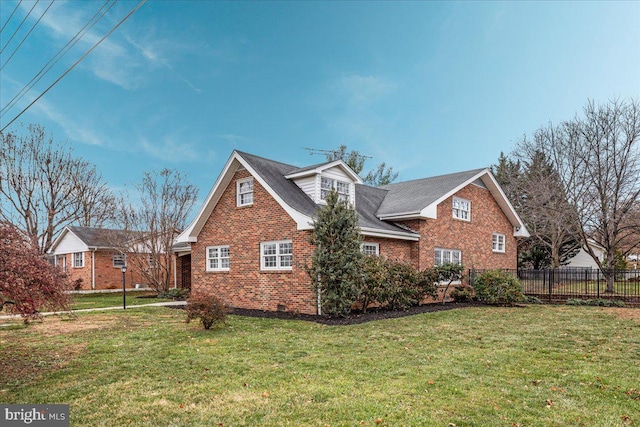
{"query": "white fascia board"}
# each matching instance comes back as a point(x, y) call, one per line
point(191, 234)
point(354, 176)
point(58, 240)
point(374, 232)
point(302, 221)
point(519, 229)
point(431, 211)
point(210, 202)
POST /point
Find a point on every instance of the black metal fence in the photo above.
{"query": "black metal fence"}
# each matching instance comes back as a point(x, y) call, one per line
point(561, 284)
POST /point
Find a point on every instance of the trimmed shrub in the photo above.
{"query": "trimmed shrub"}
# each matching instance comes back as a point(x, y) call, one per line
point(596, 302)
point(462, 294)
point(177, 294)
point(208, 308)
point(497, 287)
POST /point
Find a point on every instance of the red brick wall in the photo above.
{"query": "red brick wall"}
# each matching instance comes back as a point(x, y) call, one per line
point(473, 238)
point(243, 228)
point(106, 275)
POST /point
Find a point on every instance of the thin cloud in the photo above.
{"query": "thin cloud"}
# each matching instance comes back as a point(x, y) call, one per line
point(362, 91)
point(170, 149)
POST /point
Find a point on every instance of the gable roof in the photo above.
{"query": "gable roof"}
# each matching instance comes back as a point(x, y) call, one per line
point(92, 237)
point(377, 208)
point(411, 197)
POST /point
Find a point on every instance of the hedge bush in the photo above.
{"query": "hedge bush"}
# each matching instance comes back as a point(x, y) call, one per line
point(497, 287)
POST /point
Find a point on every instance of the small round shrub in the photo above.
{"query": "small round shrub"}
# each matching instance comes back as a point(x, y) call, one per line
point(462, 294)
point(208, 308)
point(497, 287)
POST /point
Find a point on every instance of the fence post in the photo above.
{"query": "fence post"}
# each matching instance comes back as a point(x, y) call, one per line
point(598, 288)
point(550, 284)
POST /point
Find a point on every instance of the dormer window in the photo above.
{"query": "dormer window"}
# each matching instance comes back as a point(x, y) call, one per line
point(341, 187)
point(245, 192)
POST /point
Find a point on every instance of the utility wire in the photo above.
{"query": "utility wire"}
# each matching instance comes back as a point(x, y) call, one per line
point(25, 37)
point(58, 56)
point(10, 16)
point(19, 26)
point(76, 63)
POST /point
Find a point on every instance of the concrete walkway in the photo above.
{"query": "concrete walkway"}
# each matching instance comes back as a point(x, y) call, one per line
point(54, 313)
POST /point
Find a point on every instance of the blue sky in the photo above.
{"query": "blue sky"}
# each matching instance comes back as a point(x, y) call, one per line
point(427, 87)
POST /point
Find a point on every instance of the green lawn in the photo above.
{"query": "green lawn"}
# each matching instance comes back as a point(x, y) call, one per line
point(80, 301)
point(532, 366)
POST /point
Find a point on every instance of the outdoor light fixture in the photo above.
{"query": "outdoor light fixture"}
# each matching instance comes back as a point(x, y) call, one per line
point(124, 289)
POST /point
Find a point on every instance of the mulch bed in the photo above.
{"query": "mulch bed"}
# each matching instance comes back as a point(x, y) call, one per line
point(354, 318)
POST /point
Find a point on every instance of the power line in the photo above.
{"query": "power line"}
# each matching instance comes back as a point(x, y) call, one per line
point(10, 16)
point(19, 26)
point(76, 63)
point(58, 56)
point(25, 37)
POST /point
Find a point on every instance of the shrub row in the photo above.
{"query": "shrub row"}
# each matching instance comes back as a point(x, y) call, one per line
point(597, 302)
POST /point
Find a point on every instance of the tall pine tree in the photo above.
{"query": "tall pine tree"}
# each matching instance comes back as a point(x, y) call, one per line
point(335, 264)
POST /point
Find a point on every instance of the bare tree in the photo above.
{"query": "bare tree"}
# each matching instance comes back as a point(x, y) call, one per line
point(43, 187)
point(534, 188)
point(597, 158)
point(152, 218)
point(381, 175)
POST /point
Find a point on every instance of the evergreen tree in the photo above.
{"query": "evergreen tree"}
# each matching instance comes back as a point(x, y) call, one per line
point(336, 261)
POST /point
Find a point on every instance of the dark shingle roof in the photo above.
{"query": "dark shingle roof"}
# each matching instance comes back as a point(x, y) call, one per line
point(368, 199)
point(413, 196)
point(274, 174)
point(99, 237)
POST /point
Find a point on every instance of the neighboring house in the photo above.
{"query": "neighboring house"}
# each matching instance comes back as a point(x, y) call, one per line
point(90, 254)
point(582, 259)
point(249, 243)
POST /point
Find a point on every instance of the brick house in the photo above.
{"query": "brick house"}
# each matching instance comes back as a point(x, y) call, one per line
point(89, 254)
point(249, 243)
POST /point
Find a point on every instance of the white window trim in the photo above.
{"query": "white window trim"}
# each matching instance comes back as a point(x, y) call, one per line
point(334, 185)
point(450, 252)
point(219, 258)
point(239, 195)
point(81, 260)
point(370, 244)
point(499, 243)
point(278, 256)
point(124, 260)
point(457, 215)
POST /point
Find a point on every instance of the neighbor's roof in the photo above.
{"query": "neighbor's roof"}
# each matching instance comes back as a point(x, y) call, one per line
point(94, 238)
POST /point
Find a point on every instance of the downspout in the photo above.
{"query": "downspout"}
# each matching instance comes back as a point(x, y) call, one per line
point(93, 269)
point(175, 272)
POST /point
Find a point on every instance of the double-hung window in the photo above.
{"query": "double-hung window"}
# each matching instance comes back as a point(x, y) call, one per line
point(461, 209)
point(245, 192)
point(276, 255)
point(119, 260)
point(498, 242)
point(78, 260)
point(327, 184)
point(372, 249)
point(447, 256)
point(218, 258)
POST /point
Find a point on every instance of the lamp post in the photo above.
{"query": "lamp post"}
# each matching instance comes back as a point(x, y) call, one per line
point(124, 289)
